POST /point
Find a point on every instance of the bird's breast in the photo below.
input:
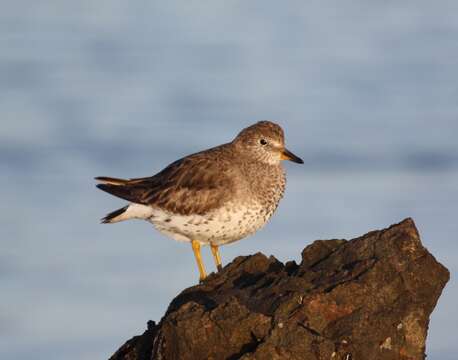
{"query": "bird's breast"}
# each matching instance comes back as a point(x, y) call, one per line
point(268, 186)
point(227, 224)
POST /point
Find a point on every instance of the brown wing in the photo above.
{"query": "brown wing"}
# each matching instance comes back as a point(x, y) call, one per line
point(192, 185)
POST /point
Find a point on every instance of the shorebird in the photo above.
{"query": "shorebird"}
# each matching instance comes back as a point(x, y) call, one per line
point(213, 197)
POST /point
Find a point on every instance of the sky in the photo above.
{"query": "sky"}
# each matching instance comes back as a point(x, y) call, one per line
point(365, 91)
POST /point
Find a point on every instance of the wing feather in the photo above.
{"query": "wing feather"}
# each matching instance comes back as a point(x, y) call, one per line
point(193, 185)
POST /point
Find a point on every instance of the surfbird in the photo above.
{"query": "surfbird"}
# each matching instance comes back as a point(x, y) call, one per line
point(213, 197)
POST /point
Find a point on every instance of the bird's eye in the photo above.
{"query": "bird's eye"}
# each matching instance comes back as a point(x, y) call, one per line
point(263, 142)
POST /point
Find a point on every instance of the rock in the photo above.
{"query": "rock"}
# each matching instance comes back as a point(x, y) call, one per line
point(367, 298)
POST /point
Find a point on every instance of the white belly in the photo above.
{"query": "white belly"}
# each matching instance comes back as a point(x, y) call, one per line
point(219, 227)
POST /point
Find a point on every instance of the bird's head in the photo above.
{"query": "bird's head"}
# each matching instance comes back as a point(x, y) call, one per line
point(265, 142)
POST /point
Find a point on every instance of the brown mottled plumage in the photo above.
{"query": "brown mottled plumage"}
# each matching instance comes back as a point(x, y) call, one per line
point(192, 185)
point(213, 197)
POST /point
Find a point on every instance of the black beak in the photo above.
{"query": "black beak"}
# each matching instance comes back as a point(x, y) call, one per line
point(288, 155)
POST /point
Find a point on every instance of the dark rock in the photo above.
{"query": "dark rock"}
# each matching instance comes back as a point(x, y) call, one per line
point(367, 298)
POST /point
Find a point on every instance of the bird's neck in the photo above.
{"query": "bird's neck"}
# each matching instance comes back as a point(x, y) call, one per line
point(266, 182)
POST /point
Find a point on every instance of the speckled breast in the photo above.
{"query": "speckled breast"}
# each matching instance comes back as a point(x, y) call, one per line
point(221, 226)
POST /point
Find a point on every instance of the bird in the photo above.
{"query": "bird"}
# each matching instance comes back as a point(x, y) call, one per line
point(213, 197)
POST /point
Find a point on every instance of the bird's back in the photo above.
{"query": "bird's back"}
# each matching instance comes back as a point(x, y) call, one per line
point(194, 184)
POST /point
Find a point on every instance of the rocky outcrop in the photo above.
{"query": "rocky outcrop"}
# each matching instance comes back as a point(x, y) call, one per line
point(367, 298)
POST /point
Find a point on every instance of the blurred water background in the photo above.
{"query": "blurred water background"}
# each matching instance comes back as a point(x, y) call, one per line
point(366, 92)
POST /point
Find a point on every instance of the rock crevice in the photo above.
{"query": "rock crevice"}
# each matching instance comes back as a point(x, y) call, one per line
point(366, 298)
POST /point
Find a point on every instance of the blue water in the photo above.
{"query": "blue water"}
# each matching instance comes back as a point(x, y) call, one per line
point(366, 92)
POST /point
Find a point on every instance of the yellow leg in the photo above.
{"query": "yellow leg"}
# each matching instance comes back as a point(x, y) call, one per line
point(196, 248)
point(216, 256)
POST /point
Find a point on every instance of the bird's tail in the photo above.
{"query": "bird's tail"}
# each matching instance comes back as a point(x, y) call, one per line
point(115, 216)
point(130, 189)
point(111, 181)
point(125, 189)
